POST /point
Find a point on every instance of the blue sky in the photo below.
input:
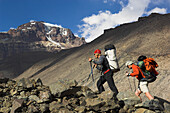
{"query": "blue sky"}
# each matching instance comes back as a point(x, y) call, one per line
point(86, 18)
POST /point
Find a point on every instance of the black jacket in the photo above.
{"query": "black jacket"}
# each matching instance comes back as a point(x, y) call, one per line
point(103, 62)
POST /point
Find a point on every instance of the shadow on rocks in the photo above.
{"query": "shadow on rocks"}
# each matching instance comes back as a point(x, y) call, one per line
point(164, 103)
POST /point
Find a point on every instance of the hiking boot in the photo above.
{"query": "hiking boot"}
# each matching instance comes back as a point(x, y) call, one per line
point(115, 99)
point(154, 105)
point(151, 106)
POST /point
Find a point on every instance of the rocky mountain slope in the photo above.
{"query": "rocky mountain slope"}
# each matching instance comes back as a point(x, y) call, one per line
point(37, 36)
point(148, 36)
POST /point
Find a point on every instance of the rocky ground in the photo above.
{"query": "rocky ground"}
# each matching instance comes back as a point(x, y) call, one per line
point(65, 96)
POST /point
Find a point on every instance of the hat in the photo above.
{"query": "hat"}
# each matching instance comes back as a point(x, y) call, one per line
point(97, 51)
point(129, 63)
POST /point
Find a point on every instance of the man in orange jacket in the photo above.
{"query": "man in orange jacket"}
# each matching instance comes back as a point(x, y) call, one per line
point(143, 84)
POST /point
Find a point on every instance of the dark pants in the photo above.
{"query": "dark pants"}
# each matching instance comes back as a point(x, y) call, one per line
point(109, 78)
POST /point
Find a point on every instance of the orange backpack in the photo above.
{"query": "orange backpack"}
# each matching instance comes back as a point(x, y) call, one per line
point(150, 65)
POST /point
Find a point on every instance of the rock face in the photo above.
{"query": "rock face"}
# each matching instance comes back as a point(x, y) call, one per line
point(31, 96)
point(37, 36)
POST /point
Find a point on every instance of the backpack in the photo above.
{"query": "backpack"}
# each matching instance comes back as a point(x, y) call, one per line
point(110, 52)
point(150, 65)
point(149, 74)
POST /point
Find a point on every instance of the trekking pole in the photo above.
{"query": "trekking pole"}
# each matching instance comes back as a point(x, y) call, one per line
point(130, 84)
point(134, 83)
point(91, 74)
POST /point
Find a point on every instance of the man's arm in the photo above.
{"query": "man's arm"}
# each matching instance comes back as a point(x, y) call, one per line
point(135, 72)
point(99, 67)
point(98, 62)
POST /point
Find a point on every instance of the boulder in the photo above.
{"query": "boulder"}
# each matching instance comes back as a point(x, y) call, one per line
point(64, 110)
point(82, 101)
point(17, 103)
point(144, 104)
point(34, 98)
point(167, 107)
point(93, 102)
point(63, 88)
point(45, 96)
point(106, 95)
point(38, 82)
point(44, 108)
point(4, 110)
point(7, 103)
point(74, 102)
point(25, 83)
point(80, 109)
point(55, 106)
point(1, 93)
point(110, 105)
point(13, 92)
point(87, 92)
point(33, 109)
point(143, 110)
point(129, 98)
point(4, 80)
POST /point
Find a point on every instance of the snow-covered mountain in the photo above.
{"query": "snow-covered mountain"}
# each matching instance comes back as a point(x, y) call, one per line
point(37, 31)
point(38, 36)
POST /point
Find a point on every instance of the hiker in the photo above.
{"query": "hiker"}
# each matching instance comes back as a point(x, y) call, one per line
point(143, 84)
point(107, 73)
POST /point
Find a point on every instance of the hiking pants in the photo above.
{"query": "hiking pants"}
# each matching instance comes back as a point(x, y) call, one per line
point(109, 78)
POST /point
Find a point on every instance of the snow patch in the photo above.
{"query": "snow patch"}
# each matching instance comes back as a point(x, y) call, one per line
point(48, 27)
point(12, 28)
point(33, 23)
point(63, 31)
point(32, 20)
point(52, 25)
point(56, 43)
point(28, 27)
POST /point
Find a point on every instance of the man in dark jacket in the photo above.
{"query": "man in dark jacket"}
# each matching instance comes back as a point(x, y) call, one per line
point(106, 71)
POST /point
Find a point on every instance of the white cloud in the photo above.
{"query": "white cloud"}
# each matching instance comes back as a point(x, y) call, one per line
point(94, 25)
point(105, 1)
point(158, 1)
point(122, 4)
point(157, 10)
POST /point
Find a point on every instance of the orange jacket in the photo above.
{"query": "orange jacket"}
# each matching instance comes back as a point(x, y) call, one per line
point(137, 72)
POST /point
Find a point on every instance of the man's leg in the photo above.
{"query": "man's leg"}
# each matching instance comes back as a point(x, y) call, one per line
point(109, 78)
point(137, 93)
point(100, 83)
point(149, 96)
point(145, 90)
